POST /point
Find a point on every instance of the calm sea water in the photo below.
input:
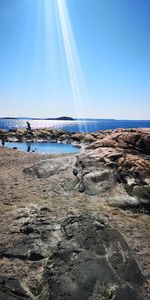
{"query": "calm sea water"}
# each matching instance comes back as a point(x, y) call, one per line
point(43, 147)
point(88, 125)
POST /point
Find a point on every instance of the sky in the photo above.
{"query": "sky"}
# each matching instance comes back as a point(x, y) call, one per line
point(79, 58)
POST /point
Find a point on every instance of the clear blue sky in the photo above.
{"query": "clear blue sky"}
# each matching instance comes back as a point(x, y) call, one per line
point(113, 42)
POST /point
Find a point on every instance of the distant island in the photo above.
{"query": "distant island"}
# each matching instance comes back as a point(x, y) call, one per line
point(27, 118)
point(61, 118)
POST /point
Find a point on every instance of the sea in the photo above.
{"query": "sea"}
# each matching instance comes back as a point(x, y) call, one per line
point(77, 125)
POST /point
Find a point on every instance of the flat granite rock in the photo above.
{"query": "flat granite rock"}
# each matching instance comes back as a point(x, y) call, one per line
point(92, 261)
point(46, 168)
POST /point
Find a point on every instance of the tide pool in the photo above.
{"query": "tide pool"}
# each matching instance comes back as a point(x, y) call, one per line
point(43, 147)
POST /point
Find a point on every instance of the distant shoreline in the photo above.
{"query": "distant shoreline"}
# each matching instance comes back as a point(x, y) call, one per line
point(28, 118)
point(55, 119)
point(65, 118)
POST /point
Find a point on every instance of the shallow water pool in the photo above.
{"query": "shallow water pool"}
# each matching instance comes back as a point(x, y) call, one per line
point(43, 147)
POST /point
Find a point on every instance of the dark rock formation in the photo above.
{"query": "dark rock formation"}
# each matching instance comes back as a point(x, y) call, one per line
point(10, 289)
point(92, 262)
point(83, 258)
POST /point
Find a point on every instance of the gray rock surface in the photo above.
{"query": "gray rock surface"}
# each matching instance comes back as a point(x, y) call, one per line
point(48, 167)
point(124, 201)
point(82, 257)
point(95, 183)
point(10, 289)
point(94, 178)
point(92, 261)
point(45, 256)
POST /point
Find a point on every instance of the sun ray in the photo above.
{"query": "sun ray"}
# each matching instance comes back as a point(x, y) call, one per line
point(61, 56)
point(72, 58)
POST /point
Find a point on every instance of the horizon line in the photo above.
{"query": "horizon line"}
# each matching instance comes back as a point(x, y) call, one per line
point(70, 118)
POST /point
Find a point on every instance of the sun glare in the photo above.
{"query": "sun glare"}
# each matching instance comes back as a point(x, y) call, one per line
point(56, 14)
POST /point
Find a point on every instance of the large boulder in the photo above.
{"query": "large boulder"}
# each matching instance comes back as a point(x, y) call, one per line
point(93, 177)
point(46, 168)
point(79, 258)
point(91, 262)
point(98, 182)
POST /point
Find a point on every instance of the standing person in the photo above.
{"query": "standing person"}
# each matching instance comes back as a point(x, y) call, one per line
point(29, 126)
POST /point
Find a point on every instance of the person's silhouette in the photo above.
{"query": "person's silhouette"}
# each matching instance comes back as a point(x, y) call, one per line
point(29, 126)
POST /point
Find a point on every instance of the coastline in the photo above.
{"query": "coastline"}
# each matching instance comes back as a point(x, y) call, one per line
point(55, 187)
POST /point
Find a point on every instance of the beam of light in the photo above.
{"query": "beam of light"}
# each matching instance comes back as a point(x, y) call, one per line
point(72, 58)
point(56, 56)
point(46, 53)
point(49, 47)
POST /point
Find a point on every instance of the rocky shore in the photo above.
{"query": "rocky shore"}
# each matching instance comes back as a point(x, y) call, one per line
point(76, 226)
